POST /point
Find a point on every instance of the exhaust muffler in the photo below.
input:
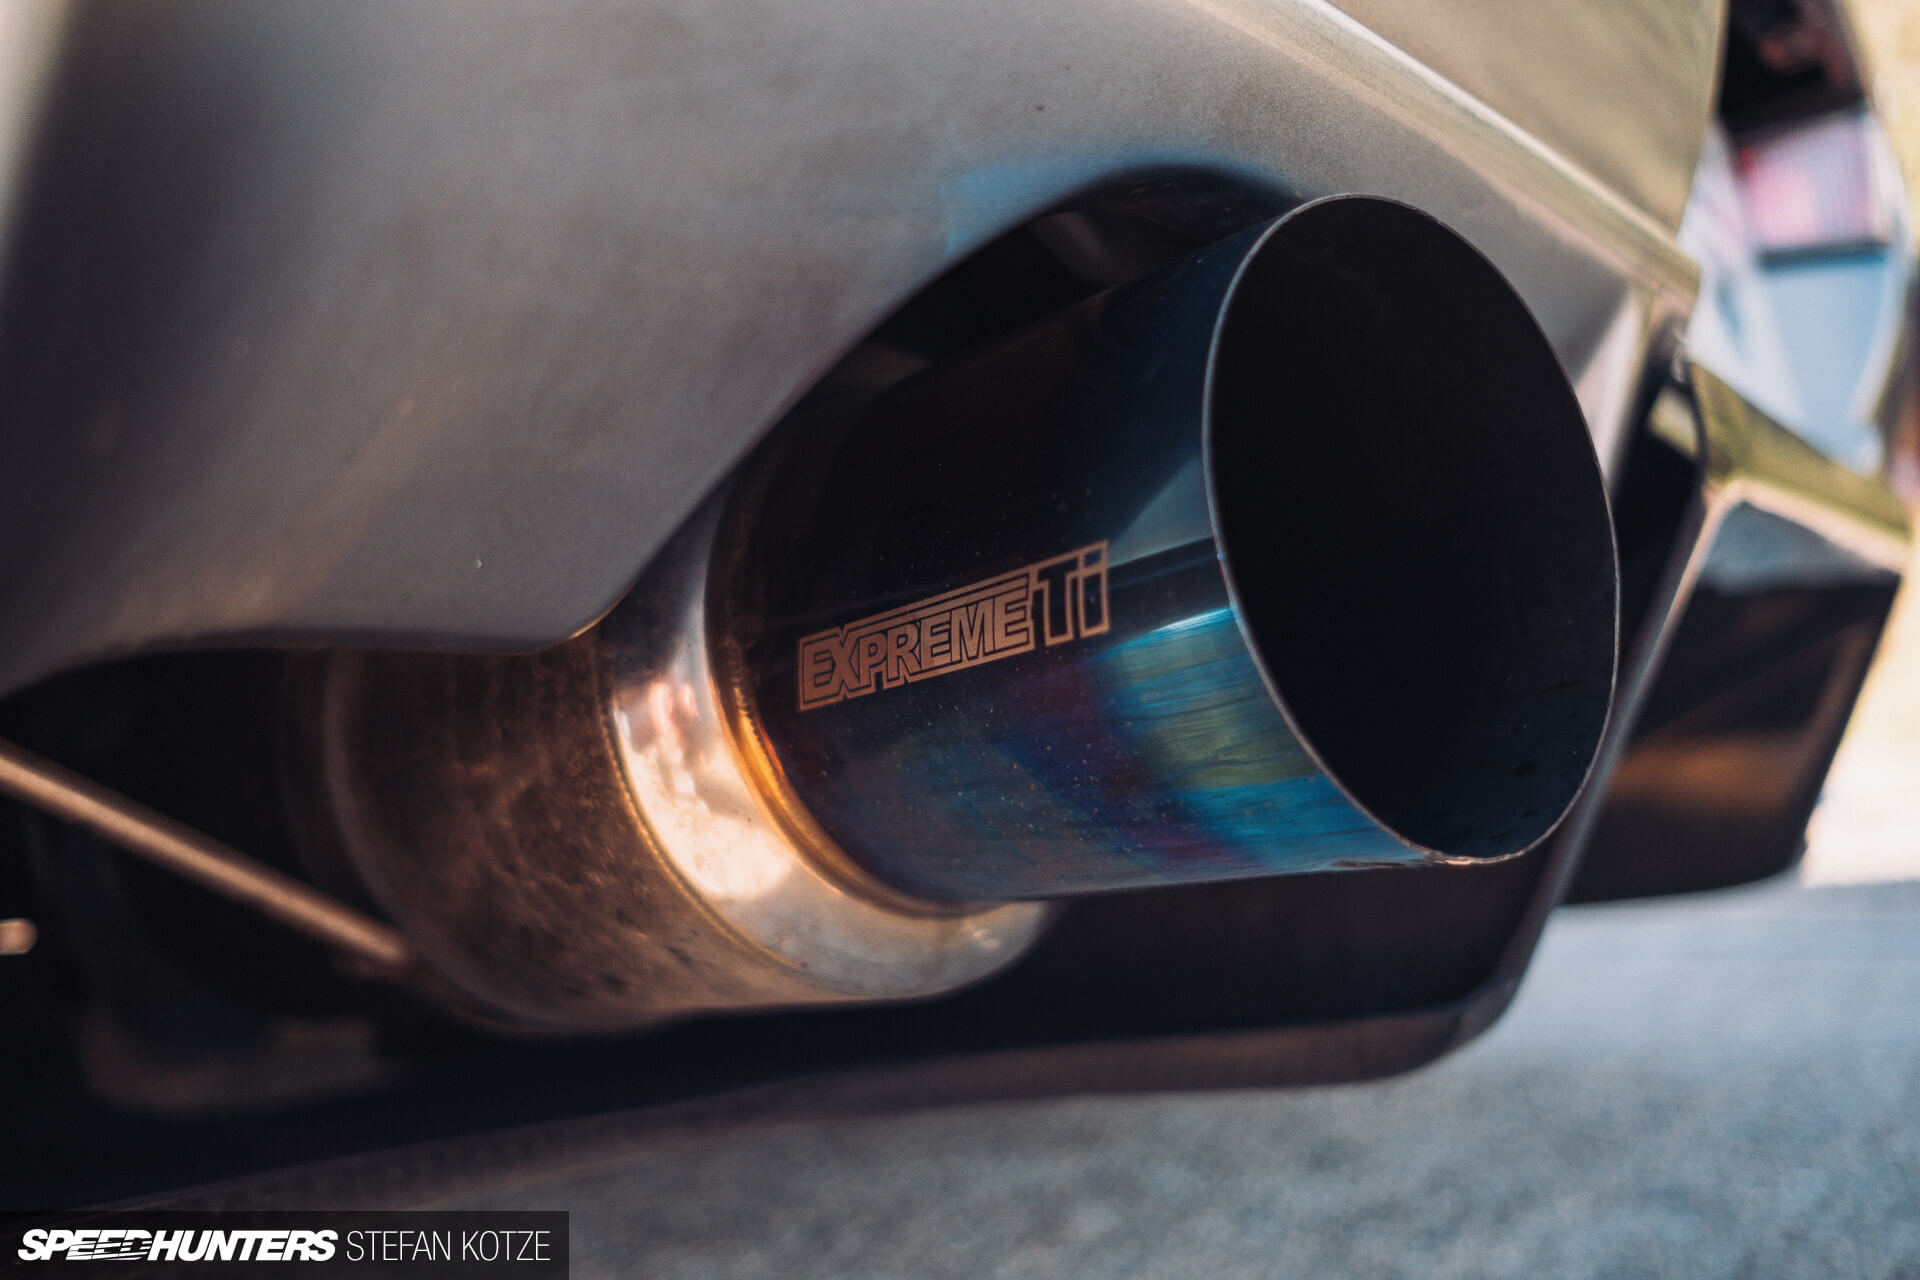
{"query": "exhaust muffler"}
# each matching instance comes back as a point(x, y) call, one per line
point(1293, 557)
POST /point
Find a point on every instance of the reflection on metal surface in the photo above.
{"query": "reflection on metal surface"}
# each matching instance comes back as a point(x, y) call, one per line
point(17, 936)
point(1620, 87)
point(371, 944)
point(575, 841)
point(1753, 460)
point(1816, 337)
point(1821, 185)
point(30, 32)
point(786, 893)
point(1358, 607)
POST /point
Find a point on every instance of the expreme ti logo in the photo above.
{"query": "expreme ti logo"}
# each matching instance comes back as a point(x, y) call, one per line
point(1045, 603)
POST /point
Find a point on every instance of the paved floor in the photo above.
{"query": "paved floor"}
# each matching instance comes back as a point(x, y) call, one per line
point(1727, 1086)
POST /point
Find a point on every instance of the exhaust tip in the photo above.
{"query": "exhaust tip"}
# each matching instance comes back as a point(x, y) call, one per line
point(1292, 557)
point(1413, 525)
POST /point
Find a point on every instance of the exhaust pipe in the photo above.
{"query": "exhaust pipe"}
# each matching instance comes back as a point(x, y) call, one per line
point(1293, 557)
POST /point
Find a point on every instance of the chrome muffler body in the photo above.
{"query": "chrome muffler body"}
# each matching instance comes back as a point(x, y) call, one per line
point(1292, 557)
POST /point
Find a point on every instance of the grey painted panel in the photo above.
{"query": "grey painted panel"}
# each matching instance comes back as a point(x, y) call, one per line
point(427, 324)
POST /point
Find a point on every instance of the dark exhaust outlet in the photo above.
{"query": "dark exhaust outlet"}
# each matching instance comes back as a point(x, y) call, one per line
point(1295, 556)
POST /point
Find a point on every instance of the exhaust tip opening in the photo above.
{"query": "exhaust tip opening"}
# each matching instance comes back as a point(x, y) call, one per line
point(1414, 526)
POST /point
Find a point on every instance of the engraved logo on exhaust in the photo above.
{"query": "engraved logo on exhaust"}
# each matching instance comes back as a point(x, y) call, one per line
point(1046, 603)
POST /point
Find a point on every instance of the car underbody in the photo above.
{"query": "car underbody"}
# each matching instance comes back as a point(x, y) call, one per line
point(732, 560)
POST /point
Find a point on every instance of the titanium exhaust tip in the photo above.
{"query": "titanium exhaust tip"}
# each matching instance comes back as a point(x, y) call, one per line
point(1295, 556)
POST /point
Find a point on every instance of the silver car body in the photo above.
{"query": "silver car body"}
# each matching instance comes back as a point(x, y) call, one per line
point(426, 325)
